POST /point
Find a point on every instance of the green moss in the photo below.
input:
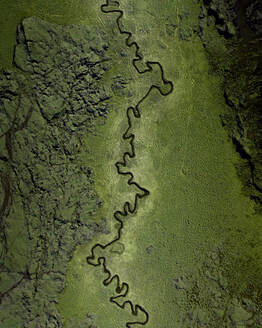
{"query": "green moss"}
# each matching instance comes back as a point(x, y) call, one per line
point(196, 206)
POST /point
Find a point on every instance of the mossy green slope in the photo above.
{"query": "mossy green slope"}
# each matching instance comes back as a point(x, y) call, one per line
point(191, 252)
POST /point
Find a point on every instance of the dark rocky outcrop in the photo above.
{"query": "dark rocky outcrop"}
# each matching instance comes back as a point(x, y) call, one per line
point(254, 16)
point(236, 54)
point(224, 15)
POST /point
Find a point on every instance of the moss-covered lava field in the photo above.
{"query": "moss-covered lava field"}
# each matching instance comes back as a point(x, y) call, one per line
point(131, 164)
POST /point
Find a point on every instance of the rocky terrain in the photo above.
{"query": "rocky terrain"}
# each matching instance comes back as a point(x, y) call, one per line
point(48, 104)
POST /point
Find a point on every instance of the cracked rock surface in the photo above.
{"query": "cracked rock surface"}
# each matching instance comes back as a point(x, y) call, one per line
point(48, 104)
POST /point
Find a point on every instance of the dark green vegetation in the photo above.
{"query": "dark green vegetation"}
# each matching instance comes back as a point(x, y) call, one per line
point(190, 252)
point(242, 81)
